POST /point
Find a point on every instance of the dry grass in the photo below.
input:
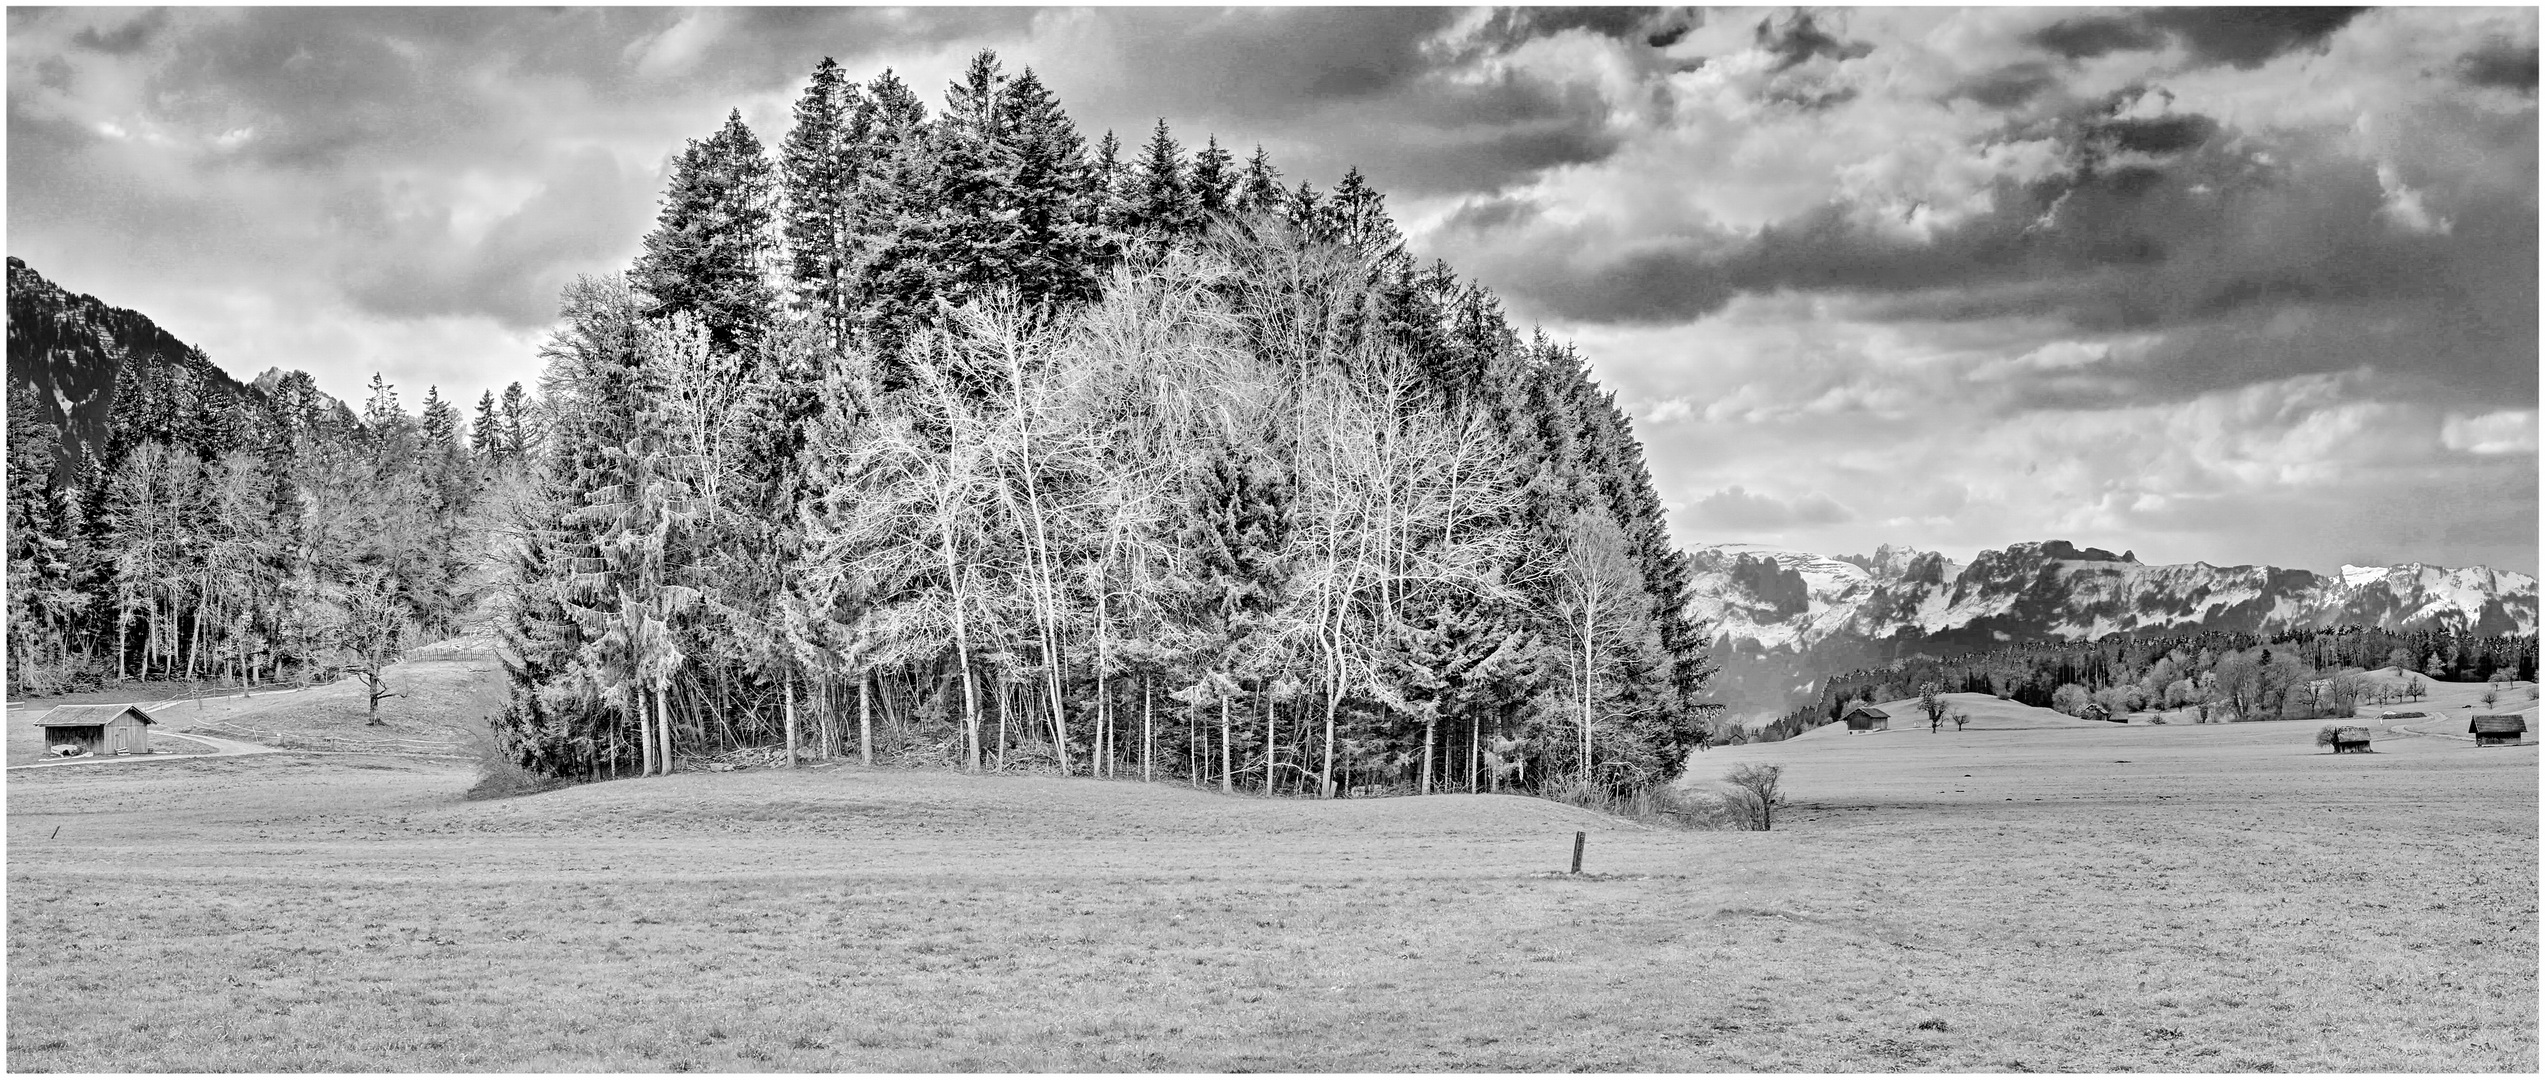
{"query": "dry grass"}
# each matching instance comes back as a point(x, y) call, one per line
point(2105, 899)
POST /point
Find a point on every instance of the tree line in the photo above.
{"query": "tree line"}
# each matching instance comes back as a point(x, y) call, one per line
point(243, 534)
point(2295, 673)
point(950, 439)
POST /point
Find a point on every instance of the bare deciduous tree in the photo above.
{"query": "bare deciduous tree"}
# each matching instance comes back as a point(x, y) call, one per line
point(1756, 790)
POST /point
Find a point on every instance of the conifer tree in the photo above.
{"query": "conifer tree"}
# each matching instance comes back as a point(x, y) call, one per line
point(1260, 188)
point(710, 249)
point(485, 433)
point(1109, 181)
point(819, 166)
point(1214, 179)
point(1160, 202)
point(1060, 239)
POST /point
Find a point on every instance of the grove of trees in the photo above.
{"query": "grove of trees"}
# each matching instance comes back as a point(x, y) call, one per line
point(950, 440)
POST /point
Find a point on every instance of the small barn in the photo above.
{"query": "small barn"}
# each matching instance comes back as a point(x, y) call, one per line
point(2497, 730)
point(2350, 740)
point(98, 729)
point(2096, 711)
point(1866, 718)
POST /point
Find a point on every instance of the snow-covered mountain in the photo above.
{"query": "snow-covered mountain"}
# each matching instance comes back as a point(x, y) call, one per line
point(1781, 618)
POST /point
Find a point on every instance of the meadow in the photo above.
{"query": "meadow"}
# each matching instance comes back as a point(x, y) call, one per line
point(2056, 897)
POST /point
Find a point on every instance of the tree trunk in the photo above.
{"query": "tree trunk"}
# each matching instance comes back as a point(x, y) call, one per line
point(1003, 695)
point(1475, 749)
point(1586, 694)
point(663, 727)
point(971, 719)
point(787, 688)
point(1227, 756)
point(1268, 742)
point(645, 732)
point(1431, 725)
point(866, 718)
point(1148, 733)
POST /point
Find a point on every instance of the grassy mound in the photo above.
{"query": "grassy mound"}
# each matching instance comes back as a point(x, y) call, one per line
point(1988, 713)
point(446, 691)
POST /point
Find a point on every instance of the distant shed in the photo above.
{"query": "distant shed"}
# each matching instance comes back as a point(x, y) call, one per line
point(2094, 710)
point(1866, 718)
point(2350, 740)
point(98, 729)
point(2497, 730)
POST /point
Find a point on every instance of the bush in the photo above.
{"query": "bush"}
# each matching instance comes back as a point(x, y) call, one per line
point(499, 776)
point(1651, 804)
point(2325, 735)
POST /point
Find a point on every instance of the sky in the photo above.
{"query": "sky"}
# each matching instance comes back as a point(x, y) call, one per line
point(2225, 285)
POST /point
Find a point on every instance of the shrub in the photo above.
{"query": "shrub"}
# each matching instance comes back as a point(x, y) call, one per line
point(498, 775)
point(2156, 718)
point(1650, 804)
point(2325, 735)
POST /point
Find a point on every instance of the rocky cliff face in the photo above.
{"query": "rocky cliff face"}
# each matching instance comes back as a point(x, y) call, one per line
point(77, 352)
point(1781, 618)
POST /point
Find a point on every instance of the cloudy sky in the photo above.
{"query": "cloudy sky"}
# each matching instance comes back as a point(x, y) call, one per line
point(2226, 285)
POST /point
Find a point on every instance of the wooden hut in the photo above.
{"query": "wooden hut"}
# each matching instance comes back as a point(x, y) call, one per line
point(2497, 730)
point(98, 729)
point(1866, 718)
point(2350, 740)
point(2096, 711)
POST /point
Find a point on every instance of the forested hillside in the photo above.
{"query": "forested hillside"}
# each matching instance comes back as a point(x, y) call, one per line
point(201, 529)
point(947, 438)
point(2222, 674)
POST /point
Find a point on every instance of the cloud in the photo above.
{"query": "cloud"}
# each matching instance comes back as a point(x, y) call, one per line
point(2211, 283)
point(1799, 39)
point(2510, 431)
point(2505, 64)
point(1735, 509)
point(2242, 37)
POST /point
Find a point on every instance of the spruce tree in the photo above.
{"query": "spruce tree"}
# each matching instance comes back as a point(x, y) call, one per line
point(1161, 197)
point(1108, 183)
point(819, 166)
point(1060, 242)
point(485, 434)
point(708, 254)
point(1214, 179)
point(1260, 188)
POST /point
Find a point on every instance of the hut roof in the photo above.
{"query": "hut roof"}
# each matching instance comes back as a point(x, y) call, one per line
point(1867, 710)
point(2498, 725)
point(90, 715)
point(2351, 734)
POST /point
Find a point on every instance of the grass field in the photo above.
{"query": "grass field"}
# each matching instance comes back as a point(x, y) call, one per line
point(2100, 898)
point(444, 693)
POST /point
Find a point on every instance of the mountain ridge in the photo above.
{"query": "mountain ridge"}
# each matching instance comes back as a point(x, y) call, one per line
point(1783, 618)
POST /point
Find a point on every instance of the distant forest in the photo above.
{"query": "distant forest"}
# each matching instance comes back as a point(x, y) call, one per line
point(947, 440)
point(2298, 673)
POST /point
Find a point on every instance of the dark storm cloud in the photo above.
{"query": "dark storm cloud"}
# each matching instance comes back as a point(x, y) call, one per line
point(2243, 37)
point(2009, 87)
point(2169, 223)
point(2505, 64)
point(1799, 39)
point(2096, 35)
point(1657, 28)
point(126, 38)
point(1408, 95)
